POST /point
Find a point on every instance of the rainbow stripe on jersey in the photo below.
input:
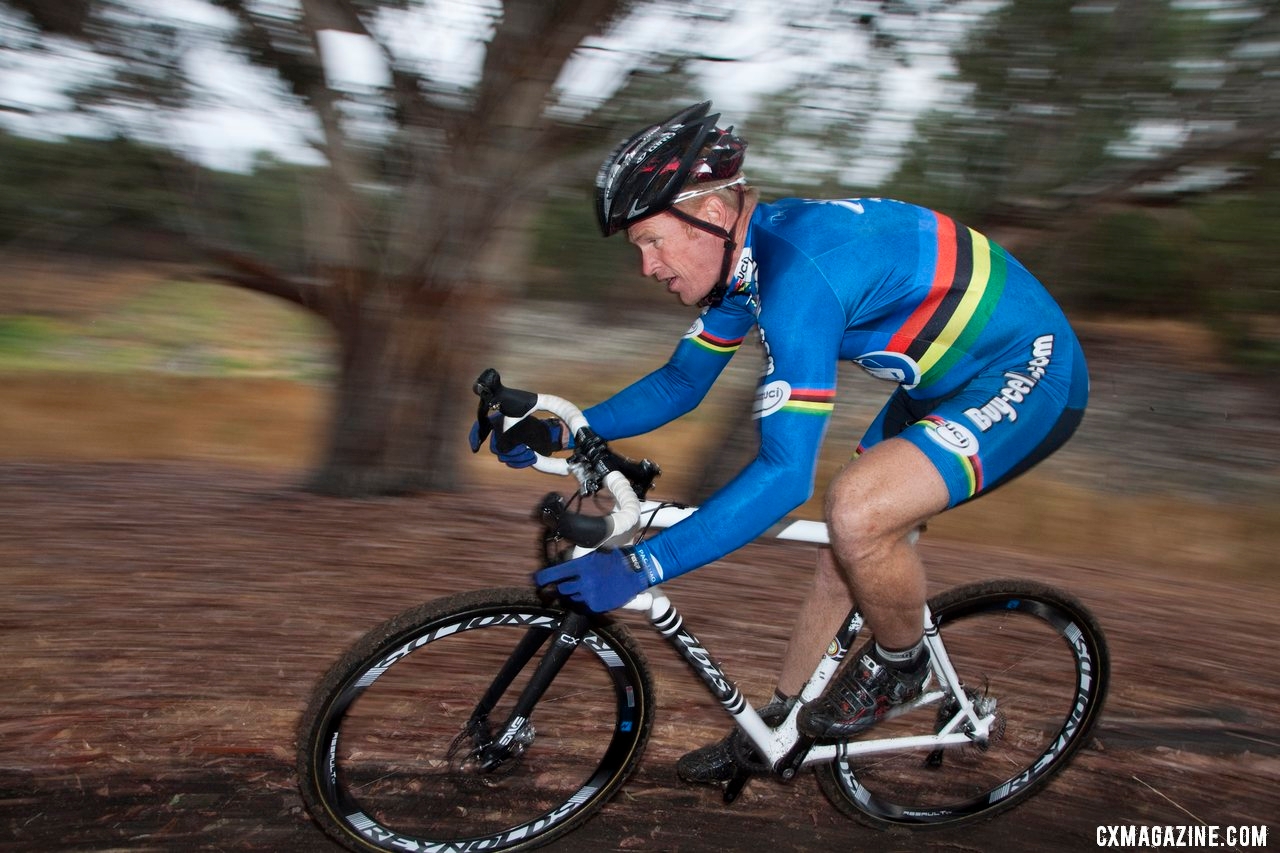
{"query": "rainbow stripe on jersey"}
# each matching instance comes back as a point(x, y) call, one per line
point(969, 273)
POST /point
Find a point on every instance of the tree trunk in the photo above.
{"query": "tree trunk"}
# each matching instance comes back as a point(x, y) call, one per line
point(402, 402)
point(410, 274)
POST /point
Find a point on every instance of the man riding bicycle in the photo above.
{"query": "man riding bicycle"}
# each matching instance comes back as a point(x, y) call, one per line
point(991, 379)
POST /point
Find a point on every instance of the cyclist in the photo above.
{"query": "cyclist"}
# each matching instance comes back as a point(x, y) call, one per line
point(990, 379)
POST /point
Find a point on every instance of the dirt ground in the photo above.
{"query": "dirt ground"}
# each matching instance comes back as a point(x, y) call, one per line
point(171, 596)
point(163, 624)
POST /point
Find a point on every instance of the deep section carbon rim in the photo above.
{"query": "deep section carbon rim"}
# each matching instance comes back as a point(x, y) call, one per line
point(390, 754)
point(1033, 651)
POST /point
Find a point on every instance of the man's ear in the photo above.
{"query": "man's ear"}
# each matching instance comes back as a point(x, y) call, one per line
point(714, 211)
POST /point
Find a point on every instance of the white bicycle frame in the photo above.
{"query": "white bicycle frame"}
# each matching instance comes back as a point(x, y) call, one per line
point(774, 743)
point(968, 725)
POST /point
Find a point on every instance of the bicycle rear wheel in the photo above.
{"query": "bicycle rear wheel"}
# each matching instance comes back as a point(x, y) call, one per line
point(1041, 656)
point(387, 753)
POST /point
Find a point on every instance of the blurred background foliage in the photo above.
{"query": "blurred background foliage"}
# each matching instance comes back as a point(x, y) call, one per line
point(120, 198)
point(1125, 150)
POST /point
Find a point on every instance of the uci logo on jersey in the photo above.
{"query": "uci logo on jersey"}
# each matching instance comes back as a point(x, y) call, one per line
point(770, 398)
point(955, 437)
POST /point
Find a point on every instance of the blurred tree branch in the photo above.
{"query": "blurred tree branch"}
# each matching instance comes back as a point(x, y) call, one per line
point(59, 17)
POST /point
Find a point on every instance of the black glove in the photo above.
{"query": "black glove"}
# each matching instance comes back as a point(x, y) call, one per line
point(517, 446)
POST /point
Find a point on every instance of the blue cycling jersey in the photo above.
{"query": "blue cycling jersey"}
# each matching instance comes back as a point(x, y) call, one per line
point(989, 372)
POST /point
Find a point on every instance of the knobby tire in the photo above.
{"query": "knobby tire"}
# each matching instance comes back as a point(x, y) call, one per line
point(1043, 658)
point(385, 760)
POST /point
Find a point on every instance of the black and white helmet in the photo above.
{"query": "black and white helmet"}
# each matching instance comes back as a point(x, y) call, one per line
point(645, 175)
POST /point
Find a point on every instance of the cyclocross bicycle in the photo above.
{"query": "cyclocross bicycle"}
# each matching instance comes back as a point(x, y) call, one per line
point(501, 720)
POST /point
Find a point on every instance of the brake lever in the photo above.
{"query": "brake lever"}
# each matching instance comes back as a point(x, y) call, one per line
point(512, 402)
point(486, 388)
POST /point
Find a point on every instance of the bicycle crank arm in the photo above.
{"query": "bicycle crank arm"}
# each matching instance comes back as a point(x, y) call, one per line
point(785, 768)
point(736, 784)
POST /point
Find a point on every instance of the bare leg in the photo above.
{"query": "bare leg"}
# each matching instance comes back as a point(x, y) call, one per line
point(872, 506)
point(828, 602)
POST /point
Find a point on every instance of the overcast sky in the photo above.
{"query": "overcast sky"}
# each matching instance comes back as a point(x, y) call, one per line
point(240, 109)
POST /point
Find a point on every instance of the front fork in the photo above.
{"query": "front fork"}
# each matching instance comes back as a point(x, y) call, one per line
point(511, 738)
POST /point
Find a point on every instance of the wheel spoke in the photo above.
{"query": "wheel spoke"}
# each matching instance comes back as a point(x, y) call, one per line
point(390, 744)
point(1022, 644)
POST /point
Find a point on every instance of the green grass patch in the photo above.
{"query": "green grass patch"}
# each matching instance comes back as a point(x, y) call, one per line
point(180, 327)
point(25, 339)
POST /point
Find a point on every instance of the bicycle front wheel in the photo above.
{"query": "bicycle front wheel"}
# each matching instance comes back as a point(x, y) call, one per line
point(1032, 654)
point(390, 748)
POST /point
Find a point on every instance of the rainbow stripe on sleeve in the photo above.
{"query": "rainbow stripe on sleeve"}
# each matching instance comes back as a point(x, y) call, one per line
point(811, 401)
point(713, 343)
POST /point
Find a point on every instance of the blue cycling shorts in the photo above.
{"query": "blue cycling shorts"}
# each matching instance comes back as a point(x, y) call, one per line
point(1002, 422)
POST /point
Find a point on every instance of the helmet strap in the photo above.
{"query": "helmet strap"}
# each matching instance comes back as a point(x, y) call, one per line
point(717, 294)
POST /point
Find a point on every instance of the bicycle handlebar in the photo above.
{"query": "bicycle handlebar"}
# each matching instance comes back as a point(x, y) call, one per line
point(516, 405)
point(592, 463)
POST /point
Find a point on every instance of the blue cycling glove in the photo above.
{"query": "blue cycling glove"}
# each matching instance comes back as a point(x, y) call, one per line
point(518, 446)
point(604, 580)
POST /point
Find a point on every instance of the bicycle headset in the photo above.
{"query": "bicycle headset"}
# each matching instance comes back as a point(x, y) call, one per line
point(661, 166)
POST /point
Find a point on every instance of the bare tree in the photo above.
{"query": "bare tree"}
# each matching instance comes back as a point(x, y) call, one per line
point(418, 227)
point(414, 232)
point(408, 287)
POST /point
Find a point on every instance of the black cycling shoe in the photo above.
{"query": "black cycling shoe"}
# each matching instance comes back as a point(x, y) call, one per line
point(708, 765)
point(861, 695)
point(716, 762)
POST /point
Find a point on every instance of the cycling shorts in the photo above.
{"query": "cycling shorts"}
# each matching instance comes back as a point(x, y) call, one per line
point(1002, 422)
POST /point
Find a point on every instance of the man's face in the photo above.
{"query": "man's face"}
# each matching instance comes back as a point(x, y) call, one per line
point(686, 259)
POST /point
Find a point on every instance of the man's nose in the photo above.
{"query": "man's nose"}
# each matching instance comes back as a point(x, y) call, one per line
point(648, 264)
